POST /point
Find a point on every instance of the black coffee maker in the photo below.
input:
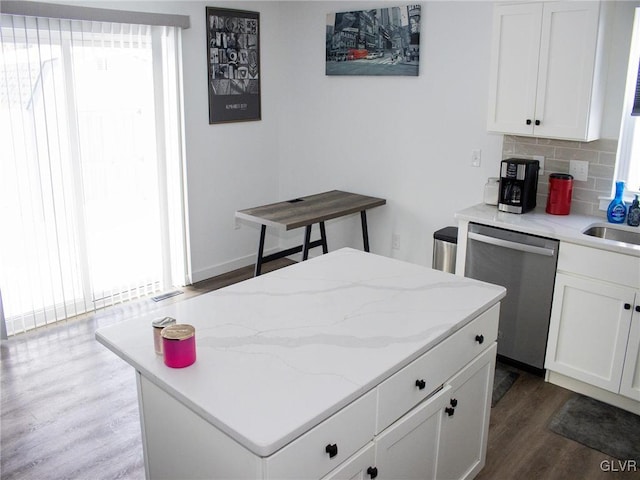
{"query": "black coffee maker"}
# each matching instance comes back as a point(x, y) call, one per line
point(518, 185)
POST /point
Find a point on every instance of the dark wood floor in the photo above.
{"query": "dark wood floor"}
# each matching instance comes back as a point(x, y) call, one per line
point(69, 409)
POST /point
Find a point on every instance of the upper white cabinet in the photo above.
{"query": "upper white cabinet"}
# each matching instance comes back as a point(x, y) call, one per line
point(547, 76)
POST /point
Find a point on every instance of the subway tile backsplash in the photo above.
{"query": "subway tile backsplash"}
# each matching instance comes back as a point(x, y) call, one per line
point(601, 155)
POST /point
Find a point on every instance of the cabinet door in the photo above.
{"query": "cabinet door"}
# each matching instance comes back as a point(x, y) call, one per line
point(408, 449)
point(630, 385)
point(566, 74)
point(588, 330)
point(514, 68)
point(465, 423)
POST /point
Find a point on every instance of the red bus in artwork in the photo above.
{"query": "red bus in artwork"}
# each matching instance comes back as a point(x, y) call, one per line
point(356, 53)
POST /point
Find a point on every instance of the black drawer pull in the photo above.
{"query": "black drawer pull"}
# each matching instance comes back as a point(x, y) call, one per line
point(421, 384)
point(453, 402)
point(637, 308)
point(450, 411)
point(480, 339)
point(528, 121)
point(537, 122)
point(331, 449)
point(627, 306)
point(372, 471)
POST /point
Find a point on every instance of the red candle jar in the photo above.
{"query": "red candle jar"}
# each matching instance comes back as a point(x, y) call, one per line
point(179, 345)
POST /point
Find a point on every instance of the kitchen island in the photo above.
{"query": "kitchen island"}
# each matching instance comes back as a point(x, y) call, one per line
point(322, 368)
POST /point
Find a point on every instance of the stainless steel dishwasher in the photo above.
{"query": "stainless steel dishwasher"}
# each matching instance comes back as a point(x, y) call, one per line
point(525, 265)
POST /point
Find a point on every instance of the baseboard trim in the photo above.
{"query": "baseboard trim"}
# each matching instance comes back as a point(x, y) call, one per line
point(593, 392)
point(226, 267)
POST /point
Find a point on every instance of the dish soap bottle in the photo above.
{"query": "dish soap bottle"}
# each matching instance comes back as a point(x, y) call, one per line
point(633, 216)
point(617, 210)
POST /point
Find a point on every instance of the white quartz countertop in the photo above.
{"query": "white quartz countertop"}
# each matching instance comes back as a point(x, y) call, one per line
point(281, 352)
point(566, 228)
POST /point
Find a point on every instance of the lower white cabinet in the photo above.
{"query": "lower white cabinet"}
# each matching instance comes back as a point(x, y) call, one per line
point(408, 449)
point(443, 438)
point(463, 436)
point(589, 330)
point(594, 332)
point(439, 433)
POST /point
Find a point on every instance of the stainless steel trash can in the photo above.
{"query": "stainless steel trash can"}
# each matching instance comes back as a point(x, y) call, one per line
point(445, 246)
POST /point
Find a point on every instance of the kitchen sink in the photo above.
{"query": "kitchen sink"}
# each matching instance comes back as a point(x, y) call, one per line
point(613, 233)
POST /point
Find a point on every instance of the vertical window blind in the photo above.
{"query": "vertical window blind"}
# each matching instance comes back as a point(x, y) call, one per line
point(91, 194)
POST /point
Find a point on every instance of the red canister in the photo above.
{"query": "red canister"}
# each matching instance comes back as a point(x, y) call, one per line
point(560, 191)
point(179, 345)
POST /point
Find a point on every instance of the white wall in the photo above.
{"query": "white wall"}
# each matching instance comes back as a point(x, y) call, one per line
point(407, 139)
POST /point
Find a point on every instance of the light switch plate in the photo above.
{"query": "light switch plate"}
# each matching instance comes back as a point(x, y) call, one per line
point(476, 158)
point(579, 170)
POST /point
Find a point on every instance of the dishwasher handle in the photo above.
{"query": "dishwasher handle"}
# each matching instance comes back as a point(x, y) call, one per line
point(522, 247)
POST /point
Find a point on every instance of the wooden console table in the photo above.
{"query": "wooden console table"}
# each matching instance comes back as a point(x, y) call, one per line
point(304, 212)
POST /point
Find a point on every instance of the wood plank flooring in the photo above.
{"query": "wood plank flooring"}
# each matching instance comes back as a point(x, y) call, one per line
point(521, 446)
point(69, 409)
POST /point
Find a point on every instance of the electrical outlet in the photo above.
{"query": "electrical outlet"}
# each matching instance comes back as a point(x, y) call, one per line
point(579, 170)
point(395, 241)
point(540, 159)
point(476, 157)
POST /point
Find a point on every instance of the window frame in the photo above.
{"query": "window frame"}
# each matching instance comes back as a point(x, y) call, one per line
point(629, 123)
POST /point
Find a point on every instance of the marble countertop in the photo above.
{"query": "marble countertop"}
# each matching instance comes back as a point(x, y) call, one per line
point(566, 228)
point(279, 353)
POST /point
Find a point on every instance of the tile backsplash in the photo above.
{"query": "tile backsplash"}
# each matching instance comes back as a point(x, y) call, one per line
point(601, 155)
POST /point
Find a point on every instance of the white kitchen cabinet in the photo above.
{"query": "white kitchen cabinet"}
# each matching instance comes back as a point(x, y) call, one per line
point(444, 437)
point(589, 330)
point(547, 75)
point(423, 441)
point(463, 436)
point(594, 333)
point(409, 448)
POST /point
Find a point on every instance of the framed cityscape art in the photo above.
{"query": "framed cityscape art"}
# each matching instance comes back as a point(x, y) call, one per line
point(233, 59)
point(381, 41)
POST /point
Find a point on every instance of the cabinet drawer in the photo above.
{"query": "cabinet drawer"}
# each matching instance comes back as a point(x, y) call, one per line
point(601, 264)
point(400, 392)
point(307, 457)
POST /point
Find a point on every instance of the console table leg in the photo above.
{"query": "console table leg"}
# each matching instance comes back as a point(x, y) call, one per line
point(323, 238)
point(258, 269)
point(365, 232)
point(307, 239)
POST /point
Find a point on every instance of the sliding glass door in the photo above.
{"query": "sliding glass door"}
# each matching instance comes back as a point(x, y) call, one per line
point(91, 208)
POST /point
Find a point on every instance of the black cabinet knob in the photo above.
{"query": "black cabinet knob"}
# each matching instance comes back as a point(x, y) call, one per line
point(480, 338)
point(372, 471)
point(450, 411)
point(528, 121)
point(331, 449)
point(637, 308)
point(453, 402)
point(421, 384)
point(537, 122)
point(627, 306)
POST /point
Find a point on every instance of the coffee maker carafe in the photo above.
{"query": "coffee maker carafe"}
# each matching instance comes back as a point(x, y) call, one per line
point(518, 185)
